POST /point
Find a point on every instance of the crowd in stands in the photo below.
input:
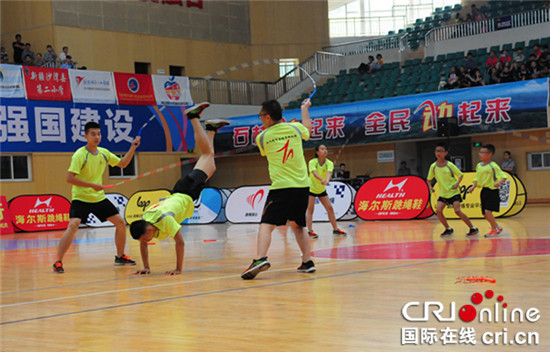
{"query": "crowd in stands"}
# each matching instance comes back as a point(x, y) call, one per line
point(500, 69)
point(24, 55)
point(372, 65)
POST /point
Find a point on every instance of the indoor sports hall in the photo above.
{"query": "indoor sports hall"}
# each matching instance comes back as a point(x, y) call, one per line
point(398, 91)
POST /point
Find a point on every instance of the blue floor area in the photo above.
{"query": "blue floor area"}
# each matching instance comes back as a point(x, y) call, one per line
point(15, 244)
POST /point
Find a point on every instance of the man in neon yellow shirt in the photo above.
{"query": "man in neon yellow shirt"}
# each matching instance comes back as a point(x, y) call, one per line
point(448, 176)
point(281, 143)
point(163, 219)
point(85, 174)
point(490, 177)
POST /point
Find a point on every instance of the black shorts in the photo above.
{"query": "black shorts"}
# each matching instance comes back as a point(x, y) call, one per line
point(490, 200)
point(286, 204)
point(322, 194)
point(191, 184)
point(451, 200)
point(103, 210)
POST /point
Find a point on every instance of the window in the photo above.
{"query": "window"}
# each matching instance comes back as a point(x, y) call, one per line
point(538, 161)
point(177, 70)
point(286, 66)
point(142, 67)
point(128, 171)
point(15, 168)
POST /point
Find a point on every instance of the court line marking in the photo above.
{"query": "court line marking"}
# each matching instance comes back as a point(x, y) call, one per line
point(410, 265)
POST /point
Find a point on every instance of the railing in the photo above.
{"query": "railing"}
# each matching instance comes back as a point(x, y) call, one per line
point(220, 91)
point(398, 41)
point(365, 26)
point(473, 28)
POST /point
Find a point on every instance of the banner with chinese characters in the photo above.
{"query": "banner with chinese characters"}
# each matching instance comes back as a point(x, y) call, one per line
point(500, 107)
point(92, 87)
point(134, 89)
point(40, 212)
point(11, 82)
point(49, 126)
point(172, 90)
point(47, 83)
point(6, 226)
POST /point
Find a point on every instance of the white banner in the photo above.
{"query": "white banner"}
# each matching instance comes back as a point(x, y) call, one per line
point(92, 87)
point(11, 81)
point(118, 200)
point(207, 207)
point(172, 90)
point(246, 204)
point(340, 196)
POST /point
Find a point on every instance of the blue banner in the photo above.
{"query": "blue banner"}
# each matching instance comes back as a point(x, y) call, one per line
point(510, 106)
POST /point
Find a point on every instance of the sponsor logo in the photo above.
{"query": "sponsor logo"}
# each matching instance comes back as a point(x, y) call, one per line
point(251, 199)
point(143, 204)
point(133, 85)
point(78, 80)
point(172, 89)
point(391, 185)
point(287, 153)
point(45, 202)
point(37, 213)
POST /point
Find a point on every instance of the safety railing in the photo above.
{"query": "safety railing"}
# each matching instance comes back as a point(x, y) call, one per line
point(398, 41)
point(473, 28)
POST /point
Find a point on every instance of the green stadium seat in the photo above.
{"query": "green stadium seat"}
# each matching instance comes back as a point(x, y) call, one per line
point(545, 41)
point(481, 51)
point(440, 58)
point(533, 42)
point(507, 47)
point(495, 48)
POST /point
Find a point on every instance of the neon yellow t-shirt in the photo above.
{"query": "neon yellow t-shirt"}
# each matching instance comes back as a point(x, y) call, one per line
point(282, 144)
point(446, 177)
point(90, 167)
point(316, 186)
point(168, 214)
point(487, 175)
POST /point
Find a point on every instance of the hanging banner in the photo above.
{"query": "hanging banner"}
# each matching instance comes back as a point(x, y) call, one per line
point(207, 207)
point(246, 204)
point(172, 90)
point(92, 87)
point(6, 226)
point(340, 196)
point(43, 83)
point(141, 201)
point(512, 198)
point(40, 212)
point(134, 89)
point(118, 200)
point(392, 198)
point(11, 82)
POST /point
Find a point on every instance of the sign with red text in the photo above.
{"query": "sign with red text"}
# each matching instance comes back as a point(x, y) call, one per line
point(40, 212)
point(5, 218)
point(392, 198)
point(47, 83)
point(246, 204)
point(134, 89)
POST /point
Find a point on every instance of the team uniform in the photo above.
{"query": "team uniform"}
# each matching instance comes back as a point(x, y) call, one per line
point(288, 194)
point(89, 167)
point(446, 176)
point(486, 177)
point(316, 188)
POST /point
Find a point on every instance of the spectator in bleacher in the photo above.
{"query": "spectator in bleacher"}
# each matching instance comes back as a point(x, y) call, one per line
point(518, 56)
point(453, 80)
point(514, 70)
point(3, 56)
point(536, 51)
point(477, 15)
point(366, 67)
point(18, 47)
point(504, 57)
point(379, 62)
point(463, 81)
point(534, 70)
point(68, 62)
point(523, 73)
point(27, 51)
point(506, 75)
point(28, 61)
point(63, 55)
point(476, 78)
point(50, 54)
point(544, 56)
point(494, 73)
point(458, 18)
point(38, 61)
point(492, 60)
point(470, 64)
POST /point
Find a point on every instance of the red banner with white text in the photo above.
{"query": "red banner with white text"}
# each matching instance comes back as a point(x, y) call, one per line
point(47, 83)
point(134, 89)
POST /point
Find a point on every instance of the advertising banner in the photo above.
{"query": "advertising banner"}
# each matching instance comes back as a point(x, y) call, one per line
point(350, 214)
point(340, 196)
point(246, 204)
point(172, 90)
point(6, 226)
point(504, 22)
point(512, 198)
point(207, 207)
point(47, 126)
point(40, 212)
point(134, 89)
point(500, 107)
point(11, 82)
point(141, 201)
point(47, 83)
point(118, 200)
point(92, 87)
point(392, 198)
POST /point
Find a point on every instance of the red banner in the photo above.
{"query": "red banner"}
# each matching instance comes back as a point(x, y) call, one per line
point(39, 213)
point(134, 89)
point(47, 83)
point(5, 218)
point(392, 198)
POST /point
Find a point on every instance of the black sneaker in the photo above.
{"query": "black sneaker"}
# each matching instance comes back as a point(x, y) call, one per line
point(312, 234)
point(124, 260)
point(255, 268)
point(308, 267)
point(58, 267)
point(194, 112)
point(473, 232)
point(215, 125)
point(448, 232)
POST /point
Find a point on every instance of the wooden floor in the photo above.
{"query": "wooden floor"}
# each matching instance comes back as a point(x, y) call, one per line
point(352, 303)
